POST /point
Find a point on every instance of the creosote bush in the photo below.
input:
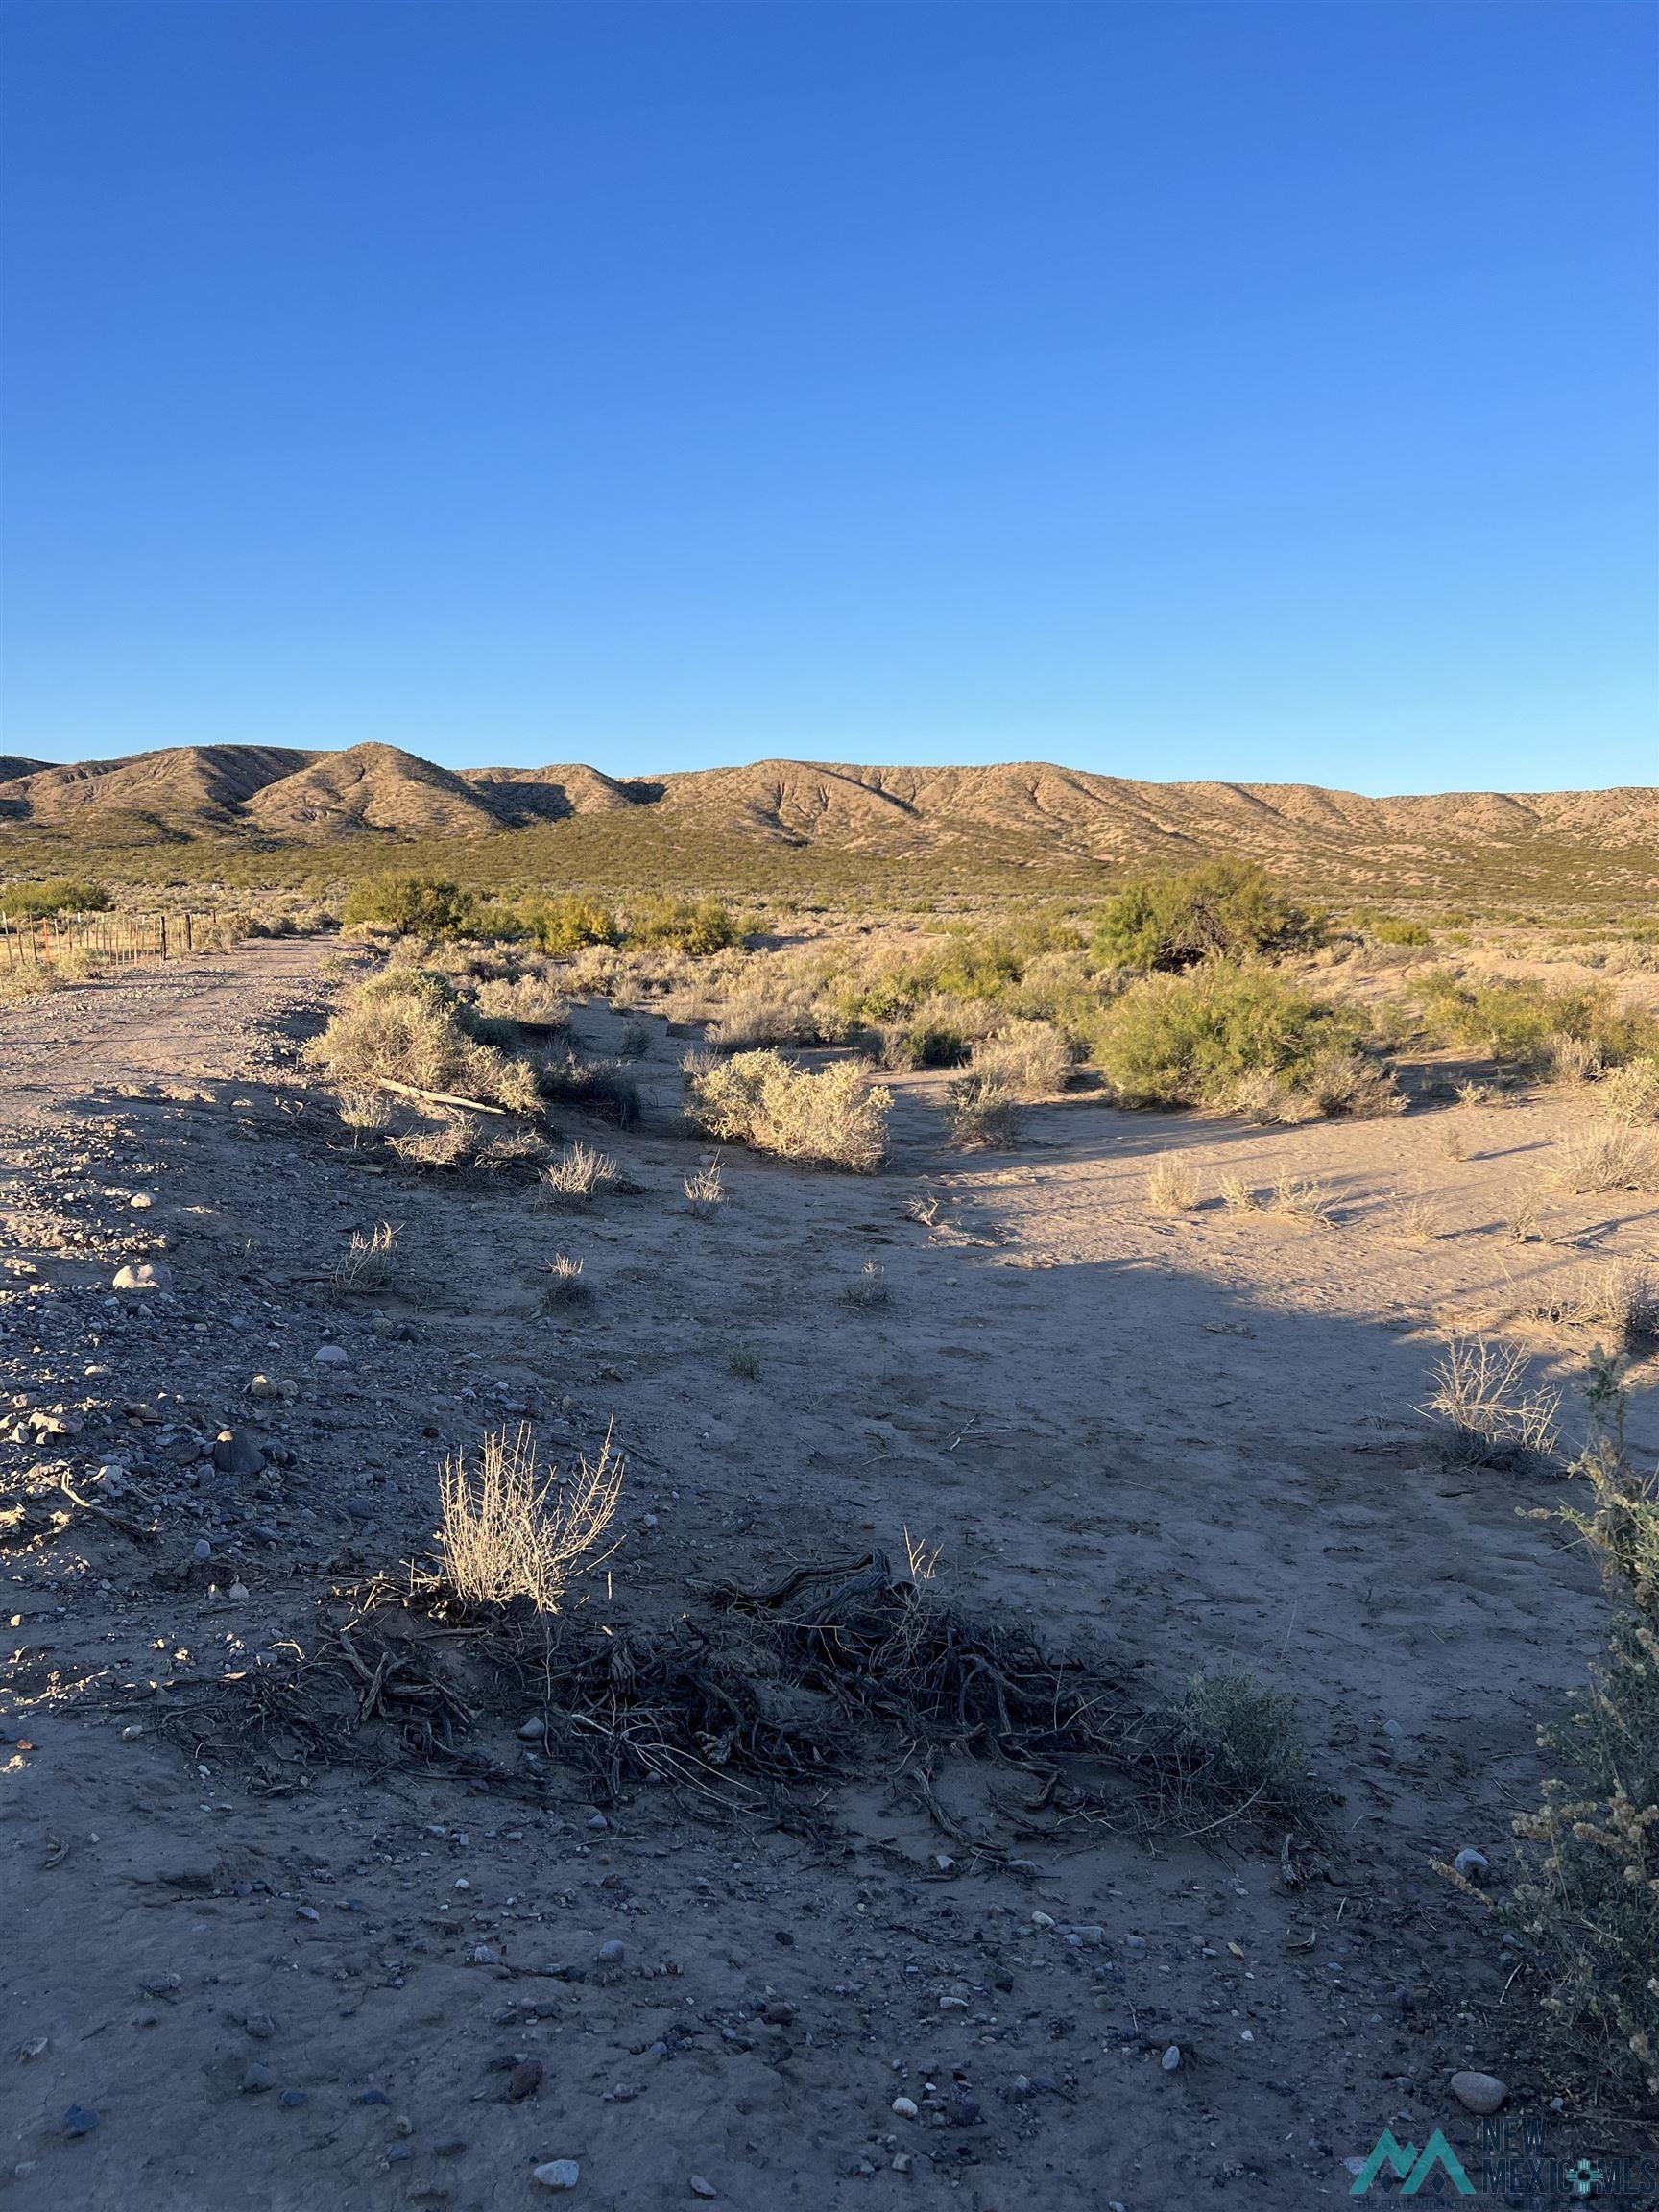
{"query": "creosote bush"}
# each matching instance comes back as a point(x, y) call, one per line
point(1242, 1747)
point(1027, 1060)
point(406, 1026)
point(508, 1531)
point(1227, 909)
point(834, 1116)
point(61, 895)
point(981, 1111)
point(1189, 1039)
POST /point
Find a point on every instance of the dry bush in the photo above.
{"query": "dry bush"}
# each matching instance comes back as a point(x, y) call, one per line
point(18, 984)
point(1453, 1141)
point(1271, 1102)
point(1617, 1298)
point(507, 1530)
point(1611, 1158)
point(833, 1118)
point(1300, 1198)
point(367, 1263)
point(1348, 1084)
point(1588, 1900)
point(1027, 1060)
point(407, 1027)
point(1171, 1185)
point(980, 1111)
point(603, 1088)
point(564, 1284)
point(635, 1040)
point(704, 1189)
point(529, 999)
point(1492, 1416)
point(1238, 1194)
point(510, 1147)
point(578, 1173)
point(1417, 1220)
point(869, 1289)
point(444, 1143)
point(1241, 1749)
point(1571, 1061)
point(78, 964)
point(1522, 1221)
point(761, 1014)
point(1630, 1094)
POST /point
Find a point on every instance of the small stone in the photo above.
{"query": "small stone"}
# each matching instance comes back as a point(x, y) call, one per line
point(143, 1275)
point(238, 1451)
point(372, 2097)
point(79, 2120)
point(1392, 1728)
point(557, 2174)
point(331, 1355)
point(1472, 1864)
point(291, 2100)
point(960, 2110)
point(1478, 2093)
point(255, 2079)
point(533, 1730)
point(260, 2026)
point(906, 2108)
point(201, 1550)
point(262, 1386)
point(1135, 1946)
point(610, 1954)
point(1172, 2059)
point(308, 1913)
point(523, 2081)
point(702, 2188)
point(597, 1820)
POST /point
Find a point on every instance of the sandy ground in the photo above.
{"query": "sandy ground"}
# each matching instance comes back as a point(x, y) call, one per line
point(1188, 1439)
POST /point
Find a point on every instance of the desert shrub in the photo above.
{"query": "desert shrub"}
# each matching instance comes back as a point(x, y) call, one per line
point(1630, 1094)
point(405, 1026)
point(367, 1262)
point(532, 1000)
point(602, 1087)
point(1227, 909)
point(1416, 1220)
point(507, 1530)
point(697, 927)
point(1171, 1185)
point(1269, 1099)
point(833, 1118)
point(1588, 1900)
point(1531, 1023)
point(447, 1143)
point(1613, 1157)
point(1240, 1750)
point(925, 1042)
point(1617, 1298)
point(1186, 1040)
point(704, 1189)
point(868, 1288)
point(63, 894)
point(578, 1173)
point(1027, 1059)
point(1489, 1412)
point(17, 984)
point(1340, 1082)
point(980, 1109)
point(564, 926)
point(564, 1285)
point(1387, 930)
point(1302, 1198)
point(767, 1014)
point(418, 907)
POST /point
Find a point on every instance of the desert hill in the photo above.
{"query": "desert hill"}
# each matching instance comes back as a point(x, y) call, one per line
point(1028, 815)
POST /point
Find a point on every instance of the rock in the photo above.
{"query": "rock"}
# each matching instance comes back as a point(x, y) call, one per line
point(331, 1355)
point(1472, 1864)
point(523, 2081)
point(202, 1552)
point(610, 1954)
point(144, 1275)
point(1478, 2093)
point(1172, 2059)
point(533, 1730)
point(702, 2188)
point(906, 2108)
point(238, 1451)
point(79, 2120)
point(262, 1386)
point(557, 2174)
point(291, 2100)
point(260, 2026)
point(1135, 1946)
point(255, 2079)
point(960, 2110)
point(597, 1820)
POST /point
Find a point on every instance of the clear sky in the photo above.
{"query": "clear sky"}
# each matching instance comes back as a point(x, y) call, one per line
point(1248, 389)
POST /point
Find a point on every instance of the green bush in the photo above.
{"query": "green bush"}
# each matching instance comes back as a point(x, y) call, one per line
point(562, 925)
point(1227, 909)
point(1187, 1039)
point(697, 927)
point(64, 894)
point(422, 907)
point(1523, 1021)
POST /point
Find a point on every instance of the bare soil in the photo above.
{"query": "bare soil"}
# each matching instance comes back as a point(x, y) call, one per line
point(1185, 1442)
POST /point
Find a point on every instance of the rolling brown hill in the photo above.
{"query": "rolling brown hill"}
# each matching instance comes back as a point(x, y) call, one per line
point(1026, 815)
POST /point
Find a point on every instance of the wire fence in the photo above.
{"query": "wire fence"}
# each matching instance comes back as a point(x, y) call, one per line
point(112, 939)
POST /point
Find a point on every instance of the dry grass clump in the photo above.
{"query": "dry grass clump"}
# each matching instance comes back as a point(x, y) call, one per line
point(507, 1530)
point(1300, 1198)
point(832, 1117)
point(1491, 1414)
point(447, 1143)
point(533, 1002)
point(1171, 1185)
point(635, 1040)
point(1240, 1748)
point(1268, 1099)
point(1615, 1157)
point(761, 1014)
point(1588, 1901)
point(407, 1027)
point(578, 1173)
point(1416, 1220)
point(1571, 1061)
point(1238, 1194)
point(20, 984)
point(509, 1147)
point(868, 1289)
point(979, 1111)
point(1025, 1060)
point(602, 1087)
point(1618, 1299)
point(1348, 1084)
point(704, 1189)
point(1630, 1094)
point(564, 1284)
point(367, 1261)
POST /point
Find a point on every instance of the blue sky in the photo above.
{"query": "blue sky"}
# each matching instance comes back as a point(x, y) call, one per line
point(1248, 389)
